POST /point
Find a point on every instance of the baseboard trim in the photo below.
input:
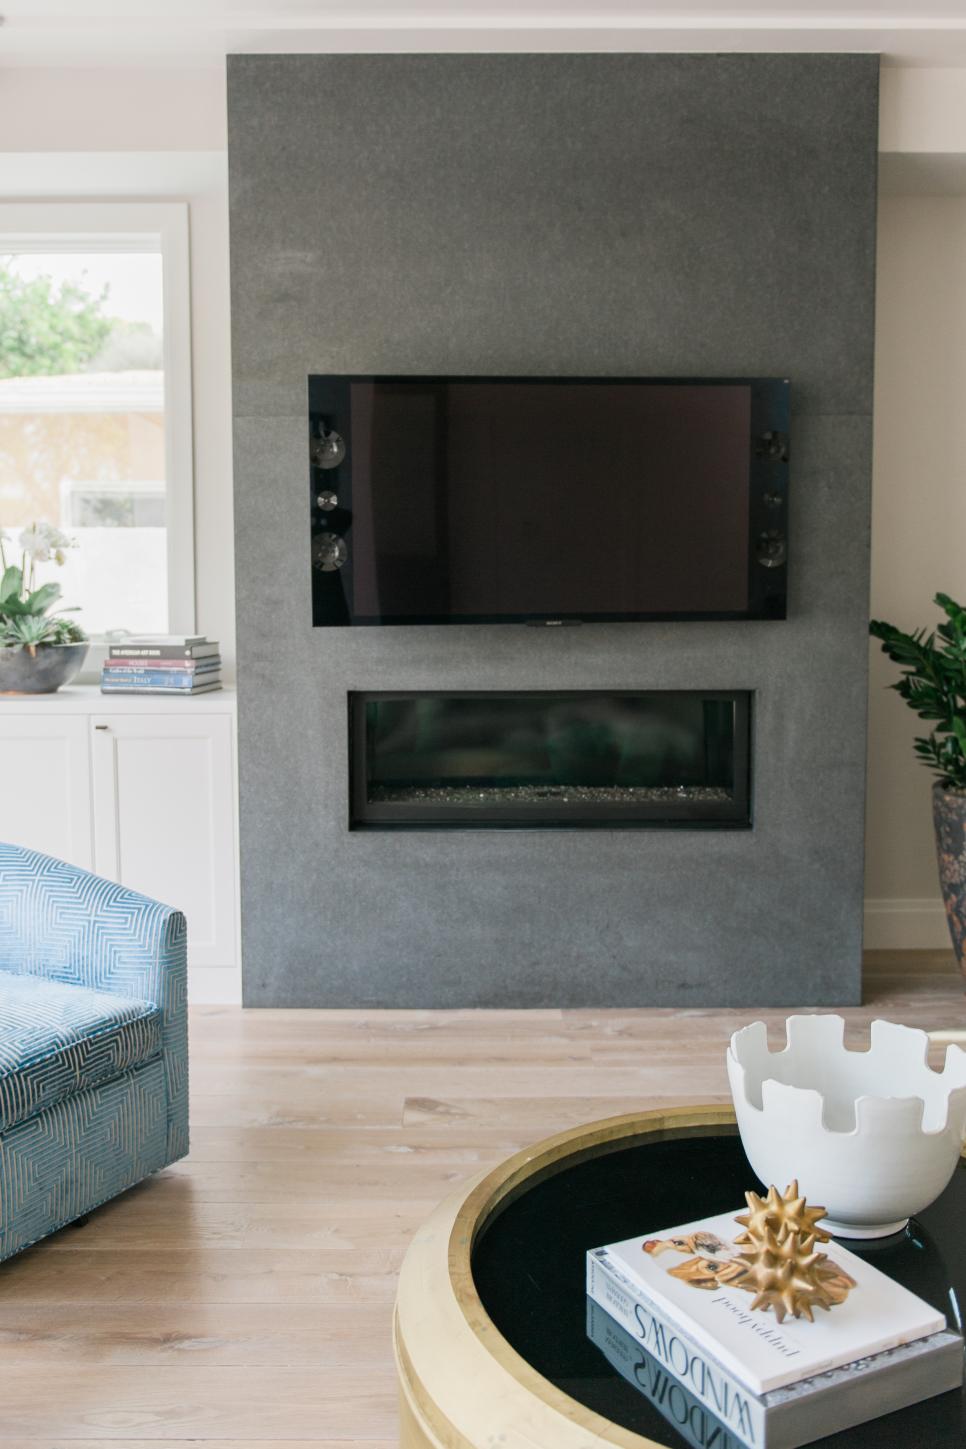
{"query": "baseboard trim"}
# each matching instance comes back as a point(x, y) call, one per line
point(894, 923)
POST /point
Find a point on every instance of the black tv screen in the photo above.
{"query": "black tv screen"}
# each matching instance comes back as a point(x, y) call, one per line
point(547, 500)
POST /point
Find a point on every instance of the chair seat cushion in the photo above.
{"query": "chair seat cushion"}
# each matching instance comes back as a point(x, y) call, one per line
point(56, 1039)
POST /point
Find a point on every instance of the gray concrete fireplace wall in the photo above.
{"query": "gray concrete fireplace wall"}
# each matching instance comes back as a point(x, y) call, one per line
point(580, 214)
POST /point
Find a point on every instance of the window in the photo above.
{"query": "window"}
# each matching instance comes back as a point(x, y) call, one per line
point(95, 405)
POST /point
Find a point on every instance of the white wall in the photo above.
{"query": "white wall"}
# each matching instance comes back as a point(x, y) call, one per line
point(918, 533)
point(149, 135)
point(161, 133)
point(922, 109)
point(919, 476)
point(114, 109)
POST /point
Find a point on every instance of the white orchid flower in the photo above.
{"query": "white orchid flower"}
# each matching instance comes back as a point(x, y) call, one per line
point(34, 544)
point(42, 541)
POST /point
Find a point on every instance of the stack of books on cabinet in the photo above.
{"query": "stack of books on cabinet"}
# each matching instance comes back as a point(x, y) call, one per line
point(672, 1314)
point(177, 664)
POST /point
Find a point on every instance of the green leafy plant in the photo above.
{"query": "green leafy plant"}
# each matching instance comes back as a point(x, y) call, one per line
point(26, 620)
point(46, 328)
point(933, 683)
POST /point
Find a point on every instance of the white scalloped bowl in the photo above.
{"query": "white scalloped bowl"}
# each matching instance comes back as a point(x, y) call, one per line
point(873, 1136)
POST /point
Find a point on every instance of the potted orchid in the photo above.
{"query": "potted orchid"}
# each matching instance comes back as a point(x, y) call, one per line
point(39, 649)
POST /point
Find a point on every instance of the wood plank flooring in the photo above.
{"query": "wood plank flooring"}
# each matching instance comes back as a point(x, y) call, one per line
point(243, 1297)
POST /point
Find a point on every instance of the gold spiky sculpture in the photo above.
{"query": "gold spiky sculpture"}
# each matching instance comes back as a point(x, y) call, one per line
point(783, 1214)
point(780, 1264)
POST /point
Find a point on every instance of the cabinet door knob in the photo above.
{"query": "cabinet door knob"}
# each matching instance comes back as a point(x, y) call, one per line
point(101, 727)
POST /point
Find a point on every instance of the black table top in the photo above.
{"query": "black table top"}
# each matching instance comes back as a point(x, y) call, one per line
point(529, 1266)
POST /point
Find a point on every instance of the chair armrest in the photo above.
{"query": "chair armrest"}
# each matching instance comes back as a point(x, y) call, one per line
point(64, 923)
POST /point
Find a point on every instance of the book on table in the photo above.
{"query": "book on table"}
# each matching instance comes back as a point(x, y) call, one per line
point(161, 689)
point(774, 1385)
point(202, 686)
point(163, 646)
point(181, 664)
point(712, 1420)
point(120, 663)
point(129, 676)
point(173, 640)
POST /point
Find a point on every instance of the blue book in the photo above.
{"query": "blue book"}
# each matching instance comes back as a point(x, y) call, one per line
point(153, 678)
point(182, 693)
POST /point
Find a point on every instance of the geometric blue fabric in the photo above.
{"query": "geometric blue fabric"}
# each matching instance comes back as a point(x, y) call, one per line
point(56, 1039)
point(64, 925)
point(63, 1162)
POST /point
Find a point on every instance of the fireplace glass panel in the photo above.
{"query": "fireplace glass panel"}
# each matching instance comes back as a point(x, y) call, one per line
point(589, 758)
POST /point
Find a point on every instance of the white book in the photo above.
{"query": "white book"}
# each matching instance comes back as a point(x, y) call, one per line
point(704, 1377)
point(683, 1380)
point(684, 1272)
point(671, 1397)
point(180, 639)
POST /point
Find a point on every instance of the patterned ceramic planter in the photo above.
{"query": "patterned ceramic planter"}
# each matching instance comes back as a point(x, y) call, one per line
point(949, 816)
point(53, 665)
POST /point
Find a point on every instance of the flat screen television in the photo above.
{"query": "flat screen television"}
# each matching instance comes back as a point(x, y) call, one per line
point(462, 500)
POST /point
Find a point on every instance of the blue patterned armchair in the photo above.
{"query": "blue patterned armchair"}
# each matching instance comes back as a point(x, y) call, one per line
point(93, 1042)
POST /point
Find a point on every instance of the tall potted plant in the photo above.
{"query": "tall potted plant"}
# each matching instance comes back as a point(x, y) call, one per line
point(933, 683)
point(39, 649)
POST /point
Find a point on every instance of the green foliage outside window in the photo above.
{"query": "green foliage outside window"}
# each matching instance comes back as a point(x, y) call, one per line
point(46, 330)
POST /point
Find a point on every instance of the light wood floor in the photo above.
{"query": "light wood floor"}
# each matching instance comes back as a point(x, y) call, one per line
point(243, 1297)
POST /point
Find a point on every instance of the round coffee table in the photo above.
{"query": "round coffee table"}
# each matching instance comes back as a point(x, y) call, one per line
point(491, 1325)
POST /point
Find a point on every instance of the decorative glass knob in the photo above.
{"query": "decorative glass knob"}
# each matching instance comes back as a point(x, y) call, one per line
point(771, 550)
point(329, 552)
point(328, 449)
point(327, 500)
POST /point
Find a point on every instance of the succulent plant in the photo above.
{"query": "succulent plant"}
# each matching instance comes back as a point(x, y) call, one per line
point(26, 620)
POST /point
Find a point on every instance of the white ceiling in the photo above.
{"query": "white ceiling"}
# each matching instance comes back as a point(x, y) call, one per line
point(201, 32)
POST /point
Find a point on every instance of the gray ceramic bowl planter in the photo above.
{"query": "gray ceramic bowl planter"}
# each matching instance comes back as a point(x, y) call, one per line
point(40, 672)
point(949, 817)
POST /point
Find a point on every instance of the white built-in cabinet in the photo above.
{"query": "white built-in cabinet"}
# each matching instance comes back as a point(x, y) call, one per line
point(143, 791)
point(45, 790)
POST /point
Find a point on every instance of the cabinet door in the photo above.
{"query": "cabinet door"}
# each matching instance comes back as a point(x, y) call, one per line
point(45, 784)
point(164, 819)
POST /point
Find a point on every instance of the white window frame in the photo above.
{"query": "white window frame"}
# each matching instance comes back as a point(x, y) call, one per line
point(66, 226)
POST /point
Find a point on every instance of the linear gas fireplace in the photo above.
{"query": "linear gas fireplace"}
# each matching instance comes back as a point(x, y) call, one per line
point(550, 759)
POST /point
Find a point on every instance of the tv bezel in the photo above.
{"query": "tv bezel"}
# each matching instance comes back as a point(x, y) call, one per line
point(329, 402)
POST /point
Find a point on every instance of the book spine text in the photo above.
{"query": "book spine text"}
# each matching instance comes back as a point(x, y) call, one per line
point(710, 1383)
point(692, 1420)
point(169, 678)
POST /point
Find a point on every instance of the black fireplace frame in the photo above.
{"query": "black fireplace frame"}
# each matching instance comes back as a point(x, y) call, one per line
point(733, 814)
